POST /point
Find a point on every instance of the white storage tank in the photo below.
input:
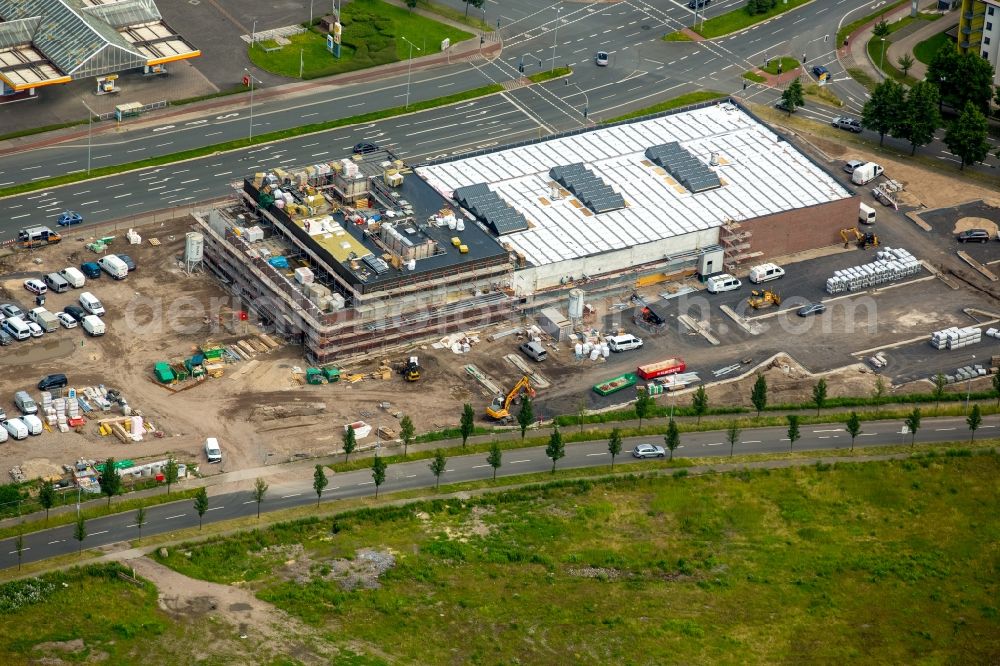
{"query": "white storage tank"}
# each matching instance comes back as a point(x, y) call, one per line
point(576, 298)
point(194, 246)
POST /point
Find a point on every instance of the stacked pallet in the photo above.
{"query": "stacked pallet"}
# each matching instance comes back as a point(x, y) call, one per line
point(61, 413)
point(966, 373)
point(956, 338)
point(993, 333)
point(890, 264)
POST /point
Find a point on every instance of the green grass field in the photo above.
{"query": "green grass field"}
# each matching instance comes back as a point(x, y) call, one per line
point(738, 19)
point(894, 562)
point(373, 35)
point(927, 49)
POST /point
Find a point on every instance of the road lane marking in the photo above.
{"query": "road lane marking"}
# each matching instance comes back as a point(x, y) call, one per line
point(715, 444)
point(867, 434)
point(14, 552)
point(56, 541)
point(250, 502)
point(514, 462)
point(591, 455)
point(751, 441)
point(474, 467)
point(833, 430)
point(292, 495)
point(410, 476)
point(101, 532)
point(942, 429)
point(216, 508)
point(179, 515)
point(366, 483)
point(828, 436)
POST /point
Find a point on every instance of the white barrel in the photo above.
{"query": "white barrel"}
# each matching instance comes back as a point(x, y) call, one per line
point(411, 265)
point(605, 351)
point(194, 246)
point(451, 223)
point(578, 349)
point(460, 225)
point(586, 348)
point(595, 353)
point(576, 297)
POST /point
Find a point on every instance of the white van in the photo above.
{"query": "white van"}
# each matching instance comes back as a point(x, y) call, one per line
point(3, 435)
point(866, 214)
point(93, 325)
point(56, 283)
point(17, 328)
point(32, 423)
point(113, 266)
point(723, 282)
point(534, 350)
point(24, 402)
point(90, 303)
point(212, 450)
point(620, 343)
point(73, 276)
point(16, 428)
point(766, 272)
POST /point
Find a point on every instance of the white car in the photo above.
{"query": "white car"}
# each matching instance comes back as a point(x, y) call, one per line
point(36, 330)
point(66, 320)
point(648, 451)
point(35, 286)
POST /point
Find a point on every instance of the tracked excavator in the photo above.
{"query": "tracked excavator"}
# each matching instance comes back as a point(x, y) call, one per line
point(499, 410)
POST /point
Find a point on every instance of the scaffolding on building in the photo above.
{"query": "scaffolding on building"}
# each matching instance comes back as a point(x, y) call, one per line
point(736, 243)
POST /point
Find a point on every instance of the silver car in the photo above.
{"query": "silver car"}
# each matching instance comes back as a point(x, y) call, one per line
point(648, 451)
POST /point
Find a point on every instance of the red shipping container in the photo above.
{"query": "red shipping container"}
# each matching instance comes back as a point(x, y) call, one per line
point(671, 366)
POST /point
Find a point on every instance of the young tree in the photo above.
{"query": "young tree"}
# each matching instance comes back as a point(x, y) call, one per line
point(673, 437)
point(942, 71)
point(884, 110)
point(643, 405)
point(319, 482)
point(19, 547)
point(140, 519)
point(525, 415)
point(732, 436)
point(819, 394)
point(411, 4)
point(878, 393)
point(615, 445)
point(758, 395)
point(47, 496)
point(966, 136)
point(495, 458)
point(111, 480)
point(350, 442)
point(940, 381)
point(407, 433)
point(853, 426)
point(379, 467)
point(699, 402)
point(975, 419)
point(881, 29)
point(905, 62)
point(555, 449)
point(475, 3)
point(259, 490)
point(793, 96)
point(80, 531)
point(996, 389)
point(438, 465)
point(921, 117)
point(201, 504)
point(170, 473)
point(793, 430)
point(468, 423)
point(913, 425)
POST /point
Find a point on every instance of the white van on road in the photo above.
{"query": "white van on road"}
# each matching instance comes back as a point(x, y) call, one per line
point(720, 283)
point(766, 272)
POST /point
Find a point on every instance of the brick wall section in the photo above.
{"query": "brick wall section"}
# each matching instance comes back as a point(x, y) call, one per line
point(801, 229)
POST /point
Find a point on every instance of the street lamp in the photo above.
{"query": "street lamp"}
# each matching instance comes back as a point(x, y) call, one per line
point(555, 38)
point(409, 67)
point(90, 122)
point(253, 79)
point(586, 100)
point(968, 386)
point(881, 61)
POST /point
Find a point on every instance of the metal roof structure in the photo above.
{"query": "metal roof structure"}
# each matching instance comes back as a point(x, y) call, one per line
point(44, 42)
point(759, 174)
point(590, 190)
point(684, 167)
point(490, 209)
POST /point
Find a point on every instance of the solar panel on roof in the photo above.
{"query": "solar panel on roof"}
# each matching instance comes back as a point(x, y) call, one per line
point(487, 206)
point(686, 169)
point(592, 192)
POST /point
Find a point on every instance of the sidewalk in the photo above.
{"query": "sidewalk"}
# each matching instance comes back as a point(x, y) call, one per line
point(908, 42)
point(855, 55)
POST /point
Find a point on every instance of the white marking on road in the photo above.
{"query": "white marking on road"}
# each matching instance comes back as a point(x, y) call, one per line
point(56, 541)
point(88, 203)
point(16, 217)
point(193, 180)
point(216, 508)
point(479, 466)
point(165, 127)
point(306, 115)
point(292, 495)
point(751, 441)
point(366, 483)
point(65, 163)
point(829, 436)
point(942, 429)
point(135, 150)
point(714, 444)
point(14, 552)
point(784, 439)
point(591, 455)
point(179, 515)
point(119, 196)
point(224, 173)
point(101, 532)
point(115, 185)
point(161, 145)
point(833, 430)
point(410, 476)
point(867, 434)
point(251, 502)
point(514, 462)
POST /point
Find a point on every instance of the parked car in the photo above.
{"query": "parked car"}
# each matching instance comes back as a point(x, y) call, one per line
point(90, 269)
point(648, 451)
point(783, 106)
point(5, 338)
point(127, 260)
point(36, 330)
point(973, 236)
point(49, 382)
point(365, 147)
point(10, 310)
point(845, 123)
point(820, 70)
point(75, 312)
point(66, 320)
point(35, 286)
point(601, 59)
point(851, 165)
point(69, 218)
point(811, 309)
point(698, 3)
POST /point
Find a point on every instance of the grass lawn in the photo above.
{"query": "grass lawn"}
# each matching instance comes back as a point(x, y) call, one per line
point(890, 562)
point(676, 37)
point(753, 76)
point(738, 19)
point(927, 49)
point(823, 93)
point(788, 64)
point(876, 49)
point(854, 25)
point(681, 100)
point(373, 35)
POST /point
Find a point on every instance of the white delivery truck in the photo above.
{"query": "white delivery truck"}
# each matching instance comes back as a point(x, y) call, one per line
point(48, 321)
point(620, 343)
point(73, 276)
point(866, 173)
point(765, 272)
point(93, 325)
point(113, 266)
point(90, 303)
point(866, 214)
point(212, 450)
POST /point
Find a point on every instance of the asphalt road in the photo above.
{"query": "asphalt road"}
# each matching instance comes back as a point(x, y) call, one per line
point(179, 515)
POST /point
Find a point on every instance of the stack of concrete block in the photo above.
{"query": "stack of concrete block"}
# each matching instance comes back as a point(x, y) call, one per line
point(890, 264)
point(956, 338)
point(993, 333)
point(966, 373)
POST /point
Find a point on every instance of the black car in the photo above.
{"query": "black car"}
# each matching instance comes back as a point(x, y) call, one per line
point(698, 3)
point(50, 382)
point(364, 148)
point(811, 309)
point(75, 312)
point(127, 260)
point(973, 236)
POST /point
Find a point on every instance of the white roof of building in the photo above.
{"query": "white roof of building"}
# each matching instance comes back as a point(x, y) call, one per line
point(760, 175)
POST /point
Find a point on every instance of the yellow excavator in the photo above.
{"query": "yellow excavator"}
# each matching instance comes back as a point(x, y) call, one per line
point(763, 298)
point(500, 409)
point(864, 239)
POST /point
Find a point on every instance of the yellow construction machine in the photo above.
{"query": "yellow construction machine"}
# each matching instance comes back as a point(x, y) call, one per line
point(500, 409)
point(864, 239)
point(763, 298)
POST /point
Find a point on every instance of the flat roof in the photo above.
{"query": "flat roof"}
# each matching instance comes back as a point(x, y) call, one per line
point(760, 174)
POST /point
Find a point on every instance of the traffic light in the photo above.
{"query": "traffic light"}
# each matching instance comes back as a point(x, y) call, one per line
point(520, 67)
point(246, 81)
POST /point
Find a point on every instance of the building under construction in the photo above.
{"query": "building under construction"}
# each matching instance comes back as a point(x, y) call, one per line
point(361, 253)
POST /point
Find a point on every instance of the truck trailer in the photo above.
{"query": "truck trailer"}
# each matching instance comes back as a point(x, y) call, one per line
point(37, 237)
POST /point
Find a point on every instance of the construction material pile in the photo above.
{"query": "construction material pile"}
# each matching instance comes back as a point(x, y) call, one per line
point(966, 373)
point(956, 338)
point(890, 264)
point(63, 413)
